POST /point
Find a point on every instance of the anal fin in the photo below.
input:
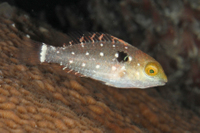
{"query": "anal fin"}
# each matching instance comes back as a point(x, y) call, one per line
point(70, 71)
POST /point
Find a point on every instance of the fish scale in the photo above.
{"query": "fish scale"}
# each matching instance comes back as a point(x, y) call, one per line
point(101, 55)
point(105, 58)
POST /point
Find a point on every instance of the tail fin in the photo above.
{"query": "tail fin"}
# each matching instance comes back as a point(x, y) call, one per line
point(30, 53)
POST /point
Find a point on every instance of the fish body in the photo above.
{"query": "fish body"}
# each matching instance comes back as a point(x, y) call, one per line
point(108, 59)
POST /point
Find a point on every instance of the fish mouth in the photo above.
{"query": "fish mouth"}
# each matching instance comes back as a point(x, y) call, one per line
point(163, 82)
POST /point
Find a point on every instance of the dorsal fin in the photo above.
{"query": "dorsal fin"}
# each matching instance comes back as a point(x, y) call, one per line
point(92, 37)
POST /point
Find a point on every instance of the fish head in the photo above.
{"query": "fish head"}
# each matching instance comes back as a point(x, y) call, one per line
point(145, 72)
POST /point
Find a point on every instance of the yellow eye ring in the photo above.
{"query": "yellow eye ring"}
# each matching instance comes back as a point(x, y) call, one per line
point(151, 69)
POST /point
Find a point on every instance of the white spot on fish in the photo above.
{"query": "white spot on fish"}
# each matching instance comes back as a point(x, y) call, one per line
point(70, 61)
point(126, 47)
point(101, 54)
point(138, 64)
point(114, 75)
point(58, 52)
point(101, 44)
point(129, 58)
point(43, 52)
point(116, 55)
point(123, 68)
point(83, 64)
point(86, 53)
point(138, 74)
point(113, 45)
point(113, 68)
point(97, 66)
point(73, 53)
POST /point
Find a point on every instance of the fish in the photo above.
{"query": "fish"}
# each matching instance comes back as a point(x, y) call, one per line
point(102, 57)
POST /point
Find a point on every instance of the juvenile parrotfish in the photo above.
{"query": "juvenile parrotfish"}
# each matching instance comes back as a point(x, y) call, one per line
point(105, 58)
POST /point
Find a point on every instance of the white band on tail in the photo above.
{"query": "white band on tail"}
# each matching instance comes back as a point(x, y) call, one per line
point(43, 52)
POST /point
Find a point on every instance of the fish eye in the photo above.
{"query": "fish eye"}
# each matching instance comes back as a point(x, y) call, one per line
point(151, 69)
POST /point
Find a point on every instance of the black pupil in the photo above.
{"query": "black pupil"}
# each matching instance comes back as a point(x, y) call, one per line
point(123, 57)
point(151, 71)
